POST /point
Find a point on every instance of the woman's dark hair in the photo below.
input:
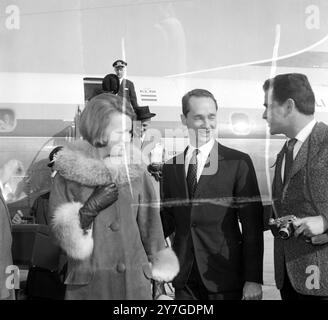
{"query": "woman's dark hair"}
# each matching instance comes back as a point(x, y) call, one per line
point(111, 83)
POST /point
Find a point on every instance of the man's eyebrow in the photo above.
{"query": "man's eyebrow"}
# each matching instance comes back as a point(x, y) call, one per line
point(265, 104)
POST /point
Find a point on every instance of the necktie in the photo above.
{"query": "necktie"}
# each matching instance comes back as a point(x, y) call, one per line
point(289, 157)
point(192, 174)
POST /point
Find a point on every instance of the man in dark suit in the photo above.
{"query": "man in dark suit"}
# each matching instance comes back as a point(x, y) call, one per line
point(206, 191)
point(126, 86)
point(300, 187)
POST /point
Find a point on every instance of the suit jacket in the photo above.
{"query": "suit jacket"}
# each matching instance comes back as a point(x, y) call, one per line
point(127, 91)
point(294, 198)
point(5, 248)
point(207, 230)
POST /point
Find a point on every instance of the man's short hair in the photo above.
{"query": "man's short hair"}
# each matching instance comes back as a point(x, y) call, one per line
point(294, 86)
point(195, 93)
point(96, 117)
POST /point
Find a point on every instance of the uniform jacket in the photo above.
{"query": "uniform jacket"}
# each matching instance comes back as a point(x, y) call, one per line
point(309, 172)
point(125, 247)
point(127, 91)
point(227, 192)
point(5, 247)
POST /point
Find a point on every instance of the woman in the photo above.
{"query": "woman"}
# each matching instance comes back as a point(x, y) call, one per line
point(101, 210)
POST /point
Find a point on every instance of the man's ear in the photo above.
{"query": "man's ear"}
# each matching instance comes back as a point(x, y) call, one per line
point(183, 119)
point(290, 106)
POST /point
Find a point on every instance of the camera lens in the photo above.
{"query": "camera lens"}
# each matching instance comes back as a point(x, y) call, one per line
point(284, 233)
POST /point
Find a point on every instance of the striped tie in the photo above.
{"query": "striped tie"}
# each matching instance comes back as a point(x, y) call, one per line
point(192, 174)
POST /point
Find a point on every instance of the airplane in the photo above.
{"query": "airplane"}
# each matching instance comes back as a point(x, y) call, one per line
point(45, 114)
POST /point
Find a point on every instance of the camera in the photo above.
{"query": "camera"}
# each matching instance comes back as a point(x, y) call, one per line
point(282, 227)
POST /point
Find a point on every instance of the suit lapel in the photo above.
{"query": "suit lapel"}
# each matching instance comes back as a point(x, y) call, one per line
point(180, 175)
point(210, 169)
point(318, 134)
point(300, 161)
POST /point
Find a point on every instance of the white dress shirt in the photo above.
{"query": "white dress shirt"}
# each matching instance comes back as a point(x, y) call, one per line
point(301, 137)
point(202, 156)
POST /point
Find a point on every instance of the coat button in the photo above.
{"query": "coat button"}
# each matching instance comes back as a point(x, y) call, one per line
point(194, 224)
point(115, 226)
point(121, 267)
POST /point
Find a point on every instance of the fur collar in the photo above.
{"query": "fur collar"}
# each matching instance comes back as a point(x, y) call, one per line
point(80, 162)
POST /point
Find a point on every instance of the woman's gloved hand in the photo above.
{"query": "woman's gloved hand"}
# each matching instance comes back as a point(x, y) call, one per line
point(100, 199)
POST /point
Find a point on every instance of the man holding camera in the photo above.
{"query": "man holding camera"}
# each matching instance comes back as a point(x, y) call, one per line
point(299, 190)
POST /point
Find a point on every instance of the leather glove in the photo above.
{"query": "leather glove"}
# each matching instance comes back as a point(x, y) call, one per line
point(155, 169)
point(100, 199)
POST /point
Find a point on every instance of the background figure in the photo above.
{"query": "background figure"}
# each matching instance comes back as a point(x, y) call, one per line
point(111, 83)
point(43, 284)
point(146, 140)
point(206, 191)
point(152, 150)
point(102, 212)
point(39, 209)
point(126, 90)
point(299, 187)
point(11, 168)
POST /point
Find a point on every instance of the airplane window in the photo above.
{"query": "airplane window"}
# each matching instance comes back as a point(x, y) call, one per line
point(7, 120)
point(240, 124)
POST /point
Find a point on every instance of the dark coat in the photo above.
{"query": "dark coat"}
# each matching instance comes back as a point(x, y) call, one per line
point(39, 209)
point(127, 91)
point(5, 248)
point(294, 198)
point(227, 192)
point(112, 260)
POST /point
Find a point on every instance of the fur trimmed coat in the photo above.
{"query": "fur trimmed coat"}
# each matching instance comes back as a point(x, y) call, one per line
point(125, 248)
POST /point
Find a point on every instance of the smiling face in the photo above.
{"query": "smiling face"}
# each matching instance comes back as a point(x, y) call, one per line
point(200, 120)
point(275, 114)
point(118, 134)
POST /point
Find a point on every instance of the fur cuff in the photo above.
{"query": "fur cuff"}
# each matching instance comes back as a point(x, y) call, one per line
point(77, 243)
point(164, 265)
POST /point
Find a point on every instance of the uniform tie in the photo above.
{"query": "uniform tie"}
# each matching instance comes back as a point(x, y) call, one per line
point(192, 174)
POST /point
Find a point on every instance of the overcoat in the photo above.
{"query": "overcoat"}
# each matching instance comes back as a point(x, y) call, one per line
point(125, 247)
